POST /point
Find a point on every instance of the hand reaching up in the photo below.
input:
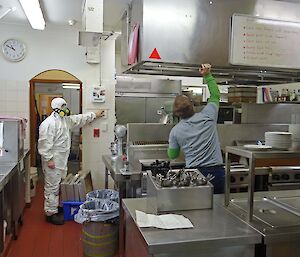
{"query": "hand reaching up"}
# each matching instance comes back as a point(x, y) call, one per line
point(205, 69)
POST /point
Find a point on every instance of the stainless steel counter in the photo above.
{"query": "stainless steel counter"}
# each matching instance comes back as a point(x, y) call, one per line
point(12, 194)
point(277, 220)
point(114, 168)
point(7, 169)
point(214, 229)
point(126, 181)
point(6, 172)
point(281, 227)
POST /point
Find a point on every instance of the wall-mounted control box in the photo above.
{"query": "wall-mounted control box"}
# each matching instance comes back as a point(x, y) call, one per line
point(98, 94)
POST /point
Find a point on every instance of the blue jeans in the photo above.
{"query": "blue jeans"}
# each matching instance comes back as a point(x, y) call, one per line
point(219, 180)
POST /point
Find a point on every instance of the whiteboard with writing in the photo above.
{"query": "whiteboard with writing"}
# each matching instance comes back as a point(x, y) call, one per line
point(264, 42)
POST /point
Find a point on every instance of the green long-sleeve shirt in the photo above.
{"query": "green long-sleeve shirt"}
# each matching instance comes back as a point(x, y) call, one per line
point(213, 89)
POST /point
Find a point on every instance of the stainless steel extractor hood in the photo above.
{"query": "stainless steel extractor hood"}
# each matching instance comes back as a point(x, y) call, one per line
point(190, 32)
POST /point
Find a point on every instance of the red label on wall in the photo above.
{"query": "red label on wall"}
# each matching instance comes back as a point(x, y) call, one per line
point(155, 55)
point(97, 132)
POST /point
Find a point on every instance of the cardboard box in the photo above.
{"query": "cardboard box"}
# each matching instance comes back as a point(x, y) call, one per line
point(75, 187)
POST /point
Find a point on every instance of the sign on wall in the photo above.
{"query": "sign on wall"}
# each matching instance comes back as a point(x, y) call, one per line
point(264, 42)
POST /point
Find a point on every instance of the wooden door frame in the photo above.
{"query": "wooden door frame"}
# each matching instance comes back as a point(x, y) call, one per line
point(33, 113)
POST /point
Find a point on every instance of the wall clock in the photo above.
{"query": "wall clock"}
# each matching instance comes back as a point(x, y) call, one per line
point(14, 50)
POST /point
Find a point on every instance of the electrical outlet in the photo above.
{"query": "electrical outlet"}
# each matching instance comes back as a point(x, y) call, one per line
point(104, 126)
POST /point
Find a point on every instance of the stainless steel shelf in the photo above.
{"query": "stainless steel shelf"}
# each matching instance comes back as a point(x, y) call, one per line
point(252, 156)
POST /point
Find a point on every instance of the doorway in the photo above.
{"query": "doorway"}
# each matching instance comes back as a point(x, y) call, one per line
point(43, 88)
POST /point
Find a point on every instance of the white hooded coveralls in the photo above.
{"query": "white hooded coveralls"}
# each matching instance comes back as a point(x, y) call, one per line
point(54, 144)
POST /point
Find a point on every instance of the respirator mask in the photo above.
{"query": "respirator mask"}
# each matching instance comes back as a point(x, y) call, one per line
point(65, 111)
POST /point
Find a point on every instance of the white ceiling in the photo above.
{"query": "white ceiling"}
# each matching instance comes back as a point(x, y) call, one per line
point(58, 12)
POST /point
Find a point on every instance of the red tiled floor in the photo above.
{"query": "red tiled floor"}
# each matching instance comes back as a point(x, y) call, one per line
point(37, 238)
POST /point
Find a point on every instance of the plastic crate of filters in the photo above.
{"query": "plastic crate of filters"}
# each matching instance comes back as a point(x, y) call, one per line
point(75, 187)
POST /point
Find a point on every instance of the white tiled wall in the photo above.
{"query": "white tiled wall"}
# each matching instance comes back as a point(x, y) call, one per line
point(14, 101)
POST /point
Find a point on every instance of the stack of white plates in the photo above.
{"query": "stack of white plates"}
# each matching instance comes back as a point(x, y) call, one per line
point(295, 130)
point(279, 140)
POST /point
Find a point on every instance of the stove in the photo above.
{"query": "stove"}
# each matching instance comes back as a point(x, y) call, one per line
point(275, 178)
point(286, 177)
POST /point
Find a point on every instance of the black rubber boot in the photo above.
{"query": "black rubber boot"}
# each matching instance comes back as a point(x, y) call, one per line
point(55, 219)
point(60, 209)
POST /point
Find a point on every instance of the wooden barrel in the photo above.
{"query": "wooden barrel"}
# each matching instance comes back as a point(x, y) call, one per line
point(99, 239)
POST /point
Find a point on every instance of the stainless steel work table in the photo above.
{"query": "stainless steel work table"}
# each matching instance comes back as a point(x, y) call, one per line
point(8, 172)
point(276, 217)
point(122, 179)
point(7, 169)
point(253, 157)
point(286, 232)
point(215, 230)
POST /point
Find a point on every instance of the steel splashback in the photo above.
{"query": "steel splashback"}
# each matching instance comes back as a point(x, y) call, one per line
point(148, 133)
point(147, 141)
point(191, 32)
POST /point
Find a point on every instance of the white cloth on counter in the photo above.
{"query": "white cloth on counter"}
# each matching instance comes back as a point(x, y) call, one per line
point(165, 221)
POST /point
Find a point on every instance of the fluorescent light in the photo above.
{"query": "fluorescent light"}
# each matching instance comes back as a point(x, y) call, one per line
point(70, 86)
point(34, 13)
point(7, 12)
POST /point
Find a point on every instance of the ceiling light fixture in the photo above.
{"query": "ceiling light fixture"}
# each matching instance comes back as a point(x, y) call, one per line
point(71, 86)
point(34, 13)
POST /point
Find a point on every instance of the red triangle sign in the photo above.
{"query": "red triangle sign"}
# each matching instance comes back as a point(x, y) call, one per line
point(155, 55)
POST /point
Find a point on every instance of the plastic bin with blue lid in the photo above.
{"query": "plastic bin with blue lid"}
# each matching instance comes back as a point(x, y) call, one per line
point(107, 194)
point(70, 209)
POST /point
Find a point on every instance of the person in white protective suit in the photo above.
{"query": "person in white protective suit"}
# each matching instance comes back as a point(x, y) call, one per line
point(54, 147)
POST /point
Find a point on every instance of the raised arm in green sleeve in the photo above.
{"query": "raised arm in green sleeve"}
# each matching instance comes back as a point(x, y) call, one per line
point(213, 89)
point(173, 153)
